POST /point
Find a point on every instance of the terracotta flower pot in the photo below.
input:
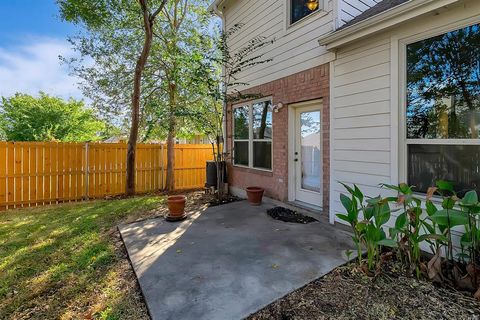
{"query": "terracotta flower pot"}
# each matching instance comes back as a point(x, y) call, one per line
point(255, 195)
point(176, 207)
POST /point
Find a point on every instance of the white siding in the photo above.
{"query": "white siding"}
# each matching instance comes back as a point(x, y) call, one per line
point(365, 105)
point(295, 48)
point(349, 9)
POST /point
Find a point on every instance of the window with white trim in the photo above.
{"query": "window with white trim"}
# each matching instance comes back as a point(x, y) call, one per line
point(252, 135)
point(443, 110)
point(299, 9)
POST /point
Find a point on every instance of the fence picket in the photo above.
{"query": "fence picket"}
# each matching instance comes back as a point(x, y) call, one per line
point(40, 173)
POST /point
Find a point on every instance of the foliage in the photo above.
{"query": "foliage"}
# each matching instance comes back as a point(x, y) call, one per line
point(419, 222)
point(64, 261)
point(223, 88)
point(46, 118)
point(367, 218)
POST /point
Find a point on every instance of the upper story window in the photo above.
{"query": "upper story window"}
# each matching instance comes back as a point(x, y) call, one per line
point(443, 110)
point(299, 9)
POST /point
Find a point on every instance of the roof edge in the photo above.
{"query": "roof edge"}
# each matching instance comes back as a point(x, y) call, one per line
point(381, 21)
point(214, 7)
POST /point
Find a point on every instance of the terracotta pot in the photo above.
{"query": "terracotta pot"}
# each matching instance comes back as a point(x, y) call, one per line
point(176, 206)
point(254, 195)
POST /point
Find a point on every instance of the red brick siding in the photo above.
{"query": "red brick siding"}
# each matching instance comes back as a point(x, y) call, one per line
point(308, 85)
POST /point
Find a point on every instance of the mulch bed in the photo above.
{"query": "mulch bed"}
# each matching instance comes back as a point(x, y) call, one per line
point(213, 202)
point(347, 293)
point(287, 215)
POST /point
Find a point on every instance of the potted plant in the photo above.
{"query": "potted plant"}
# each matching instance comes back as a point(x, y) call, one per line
point(255, 195)
point(176, 208)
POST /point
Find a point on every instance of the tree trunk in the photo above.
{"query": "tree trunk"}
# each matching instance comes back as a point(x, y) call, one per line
point(137, 82)
point(170, 183)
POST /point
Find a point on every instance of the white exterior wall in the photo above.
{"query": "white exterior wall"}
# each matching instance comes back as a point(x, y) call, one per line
point(295, 48)
point(367, 102)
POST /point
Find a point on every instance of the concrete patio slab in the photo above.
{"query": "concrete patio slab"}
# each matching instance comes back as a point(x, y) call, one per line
point(228, 261)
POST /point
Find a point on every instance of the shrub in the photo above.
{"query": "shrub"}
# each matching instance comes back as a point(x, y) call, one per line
point(418, 221)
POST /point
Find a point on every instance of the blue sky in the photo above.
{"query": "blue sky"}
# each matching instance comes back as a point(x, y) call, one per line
point(32, 36)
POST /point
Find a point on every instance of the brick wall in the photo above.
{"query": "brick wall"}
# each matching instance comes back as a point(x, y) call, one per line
point(308, 85)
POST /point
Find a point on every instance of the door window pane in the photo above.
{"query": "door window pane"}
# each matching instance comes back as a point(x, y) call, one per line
point(262, 120)
point(299, 10)
point(241, 153)
point(262, 154)
point(310, 150)
point(459, 164)
point(241, 122)
point(443, 86)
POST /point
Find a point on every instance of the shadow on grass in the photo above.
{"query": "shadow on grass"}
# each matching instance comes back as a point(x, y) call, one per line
point(64, 262)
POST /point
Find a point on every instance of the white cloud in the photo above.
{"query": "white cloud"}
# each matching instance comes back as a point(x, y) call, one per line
point(35, 66)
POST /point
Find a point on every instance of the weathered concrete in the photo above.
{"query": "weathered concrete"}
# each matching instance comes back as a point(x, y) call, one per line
point(228, 261)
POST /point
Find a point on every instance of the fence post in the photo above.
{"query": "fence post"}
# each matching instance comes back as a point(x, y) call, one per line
point(87, 171)
point(161, 166)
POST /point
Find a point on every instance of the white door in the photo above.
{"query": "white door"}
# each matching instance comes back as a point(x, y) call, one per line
point(308, 155)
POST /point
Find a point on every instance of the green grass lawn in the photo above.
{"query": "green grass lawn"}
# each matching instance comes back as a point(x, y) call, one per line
point(67, 261)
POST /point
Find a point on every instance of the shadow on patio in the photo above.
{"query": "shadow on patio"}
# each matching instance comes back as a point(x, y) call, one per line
point(227, 261)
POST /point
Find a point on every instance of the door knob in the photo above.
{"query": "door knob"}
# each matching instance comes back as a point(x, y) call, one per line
point(296, 153)
point(295, 160)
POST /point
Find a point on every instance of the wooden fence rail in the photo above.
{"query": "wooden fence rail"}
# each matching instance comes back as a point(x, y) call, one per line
point(39, 173)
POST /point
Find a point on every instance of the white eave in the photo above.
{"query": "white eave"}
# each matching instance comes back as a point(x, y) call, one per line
point(215, 7)
point(382, 21)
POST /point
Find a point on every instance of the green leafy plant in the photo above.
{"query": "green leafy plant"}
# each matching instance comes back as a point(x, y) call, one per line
point(367, 218)
point(412, 227)
point(408, 225)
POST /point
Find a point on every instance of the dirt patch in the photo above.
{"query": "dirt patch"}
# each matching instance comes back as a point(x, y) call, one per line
point(196, 200)
point(347, 293)
point(287, 215)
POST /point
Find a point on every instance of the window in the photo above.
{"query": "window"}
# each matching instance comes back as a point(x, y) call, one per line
point(299, 9)
point(252, 135)
point(443, 110)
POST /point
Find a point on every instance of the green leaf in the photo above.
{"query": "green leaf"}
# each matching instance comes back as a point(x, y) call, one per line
point(439, 237)
point(361, 226)
point(374, 201)
point(401, 221)
point(346, 202)
point(470, 198)
point(391, 187)
point(444, 185)
point(357, 193)
point(431, 208)
point(430, 228)
point(448, 203)
point(388, 243)
point(349, 189)
point(343, 217)
point(405, 188)
point(450, 218)
point(368, 212)
point(383, 215)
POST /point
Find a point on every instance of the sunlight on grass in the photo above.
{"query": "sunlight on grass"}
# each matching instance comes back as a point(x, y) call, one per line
point(62, 261)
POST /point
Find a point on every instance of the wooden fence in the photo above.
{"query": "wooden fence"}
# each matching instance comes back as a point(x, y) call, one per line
point(39, 173)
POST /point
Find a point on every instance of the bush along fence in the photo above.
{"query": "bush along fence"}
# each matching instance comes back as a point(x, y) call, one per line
point(39, 173)
point(420, 223)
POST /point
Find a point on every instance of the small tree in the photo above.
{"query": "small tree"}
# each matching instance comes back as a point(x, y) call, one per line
point(225, 88)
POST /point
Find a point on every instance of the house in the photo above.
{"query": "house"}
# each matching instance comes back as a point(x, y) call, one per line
point(386, 91)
